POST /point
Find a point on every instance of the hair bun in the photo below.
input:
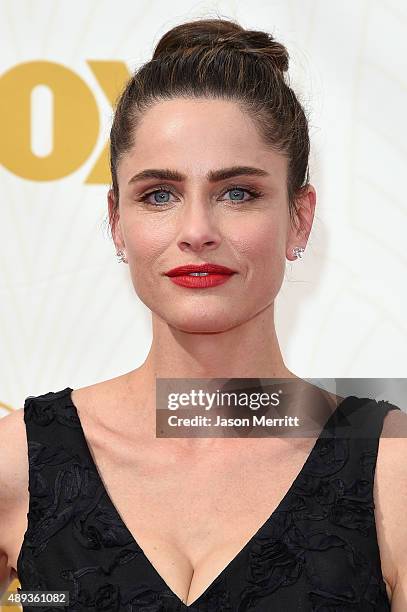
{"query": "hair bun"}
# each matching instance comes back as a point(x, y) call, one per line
point(225, 34)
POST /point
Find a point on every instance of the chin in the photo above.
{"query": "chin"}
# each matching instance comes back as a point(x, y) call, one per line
point(195, 324)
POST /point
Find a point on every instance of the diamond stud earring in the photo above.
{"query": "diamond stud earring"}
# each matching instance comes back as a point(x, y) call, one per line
point(298, 251)
point(121, 257)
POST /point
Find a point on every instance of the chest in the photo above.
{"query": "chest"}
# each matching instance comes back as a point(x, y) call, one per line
point(197, 503)
point(193, 513)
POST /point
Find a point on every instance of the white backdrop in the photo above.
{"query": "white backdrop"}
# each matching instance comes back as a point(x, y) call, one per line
point(69, 313)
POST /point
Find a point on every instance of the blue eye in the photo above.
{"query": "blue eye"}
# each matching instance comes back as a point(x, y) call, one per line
point(161, 198)
point(237, 190)
point(161, 195)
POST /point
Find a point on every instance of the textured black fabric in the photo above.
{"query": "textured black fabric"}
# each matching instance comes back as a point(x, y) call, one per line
point(318, 550)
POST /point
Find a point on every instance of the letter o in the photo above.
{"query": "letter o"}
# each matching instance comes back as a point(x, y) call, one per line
point(75, 121)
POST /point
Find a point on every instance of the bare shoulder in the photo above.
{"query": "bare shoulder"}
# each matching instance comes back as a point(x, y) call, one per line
point(13, 487)
point(13, 458)
point(390, 495)
point(395, 424)
point(102, 405)
point(98, 395)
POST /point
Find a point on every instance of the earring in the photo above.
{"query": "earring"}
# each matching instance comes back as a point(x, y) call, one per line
point(121, 257)
point(298, 251)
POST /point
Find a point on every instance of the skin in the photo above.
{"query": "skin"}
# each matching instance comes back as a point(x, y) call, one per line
point(229, 330)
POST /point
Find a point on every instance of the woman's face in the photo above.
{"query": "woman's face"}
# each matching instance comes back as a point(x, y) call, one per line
point(240, 221)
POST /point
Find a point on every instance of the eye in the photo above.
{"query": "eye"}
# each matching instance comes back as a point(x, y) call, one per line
point(237, 193)
point(160, 196)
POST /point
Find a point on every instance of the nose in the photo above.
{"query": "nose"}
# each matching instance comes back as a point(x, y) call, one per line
point(198, 230)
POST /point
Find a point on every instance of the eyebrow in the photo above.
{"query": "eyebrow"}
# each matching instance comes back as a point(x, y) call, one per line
point(166, 174)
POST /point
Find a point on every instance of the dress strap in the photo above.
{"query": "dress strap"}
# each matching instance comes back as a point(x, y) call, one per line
point(359, 417)
point(54, 447)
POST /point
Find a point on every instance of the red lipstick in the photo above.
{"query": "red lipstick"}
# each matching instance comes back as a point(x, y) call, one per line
point(200, 276)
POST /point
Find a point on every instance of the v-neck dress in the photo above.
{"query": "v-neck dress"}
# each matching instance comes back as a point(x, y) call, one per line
point(317, 551)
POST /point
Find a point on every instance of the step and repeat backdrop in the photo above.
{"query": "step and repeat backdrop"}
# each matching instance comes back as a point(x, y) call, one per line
point(69, 313)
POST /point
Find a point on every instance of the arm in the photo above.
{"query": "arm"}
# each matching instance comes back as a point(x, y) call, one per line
point(391, 506)
point(13, 482)
point(5, 573)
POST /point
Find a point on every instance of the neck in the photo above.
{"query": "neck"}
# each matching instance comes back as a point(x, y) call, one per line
point(248, 350)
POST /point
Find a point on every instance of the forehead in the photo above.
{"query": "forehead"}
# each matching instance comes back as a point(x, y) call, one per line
point(197, 135)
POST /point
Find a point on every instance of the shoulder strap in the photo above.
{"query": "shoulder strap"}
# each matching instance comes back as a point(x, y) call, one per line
point(41, 410)
point(359, 417)
point(58, 464)
point(365, 417)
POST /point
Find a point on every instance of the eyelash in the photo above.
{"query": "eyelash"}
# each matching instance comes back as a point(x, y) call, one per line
point(254, 194)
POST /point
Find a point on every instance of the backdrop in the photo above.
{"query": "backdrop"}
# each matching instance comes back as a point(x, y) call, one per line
point(69, 313)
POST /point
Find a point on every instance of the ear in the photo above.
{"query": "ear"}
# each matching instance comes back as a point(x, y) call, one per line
point(114, 216)
point(298, 234)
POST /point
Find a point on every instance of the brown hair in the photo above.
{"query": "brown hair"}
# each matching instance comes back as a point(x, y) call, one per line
point(220, 59)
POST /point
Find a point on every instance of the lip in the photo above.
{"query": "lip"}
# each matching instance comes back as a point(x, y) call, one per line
point(205, 267)
point(200, 282)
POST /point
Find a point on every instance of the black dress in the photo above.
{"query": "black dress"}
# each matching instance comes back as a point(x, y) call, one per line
point(318, 550)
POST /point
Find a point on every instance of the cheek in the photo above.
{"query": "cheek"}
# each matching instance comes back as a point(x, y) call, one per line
point(261, 242)
point(146, 239)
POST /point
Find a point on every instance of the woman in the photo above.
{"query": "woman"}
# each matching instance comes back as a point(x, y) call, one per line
point(209, 162)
